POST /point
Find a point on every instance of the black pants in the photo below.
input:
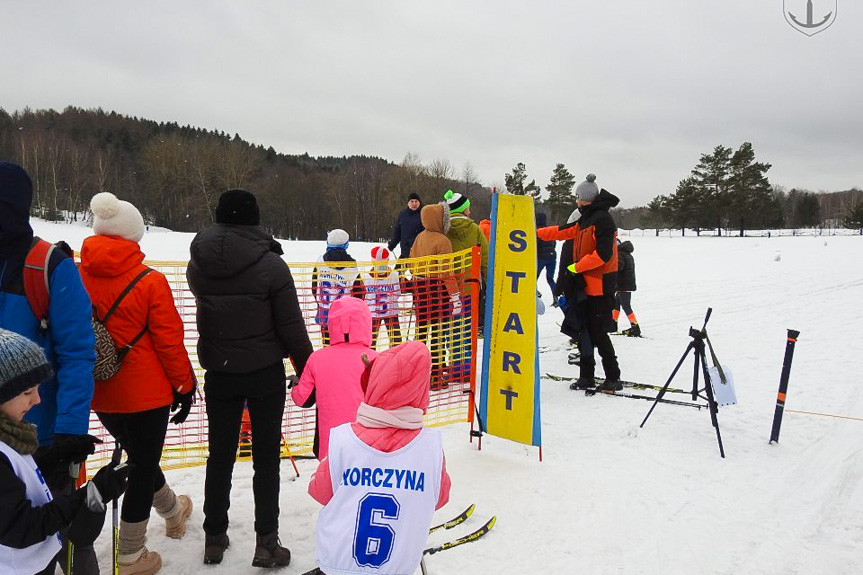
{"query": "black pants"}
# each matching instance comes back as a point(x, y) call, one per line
point(598, 319)
point(623, 299)
point(142, 435)
point(263, 392)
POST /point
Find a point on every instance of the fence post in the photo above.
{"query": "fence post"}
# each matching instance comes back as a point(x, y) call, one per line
point(783, 385)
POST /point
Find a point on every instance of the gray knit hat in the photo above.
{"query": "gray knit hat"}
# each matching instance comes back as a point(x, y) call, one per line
point(22, 365)
point(587, 190)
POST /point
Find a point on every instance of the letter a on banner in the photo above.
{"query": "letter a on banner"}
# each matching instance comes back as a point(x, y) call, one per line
point(509, 392)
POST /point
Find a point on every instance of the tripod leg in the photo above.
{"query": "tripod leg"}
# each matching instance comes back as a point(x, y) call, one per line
point(711, 402)
point(667, 383)
point(699, 353)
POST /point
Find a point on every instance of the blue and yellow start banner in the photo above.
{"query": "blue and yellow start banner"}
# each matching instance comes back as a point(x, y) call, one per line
point(509, 392)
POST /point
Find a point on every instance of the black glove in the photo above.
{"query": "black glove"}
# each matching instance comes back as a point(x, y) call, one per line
point(182, 405)
point(293, 380)
point(111, 481)
point(66, 450)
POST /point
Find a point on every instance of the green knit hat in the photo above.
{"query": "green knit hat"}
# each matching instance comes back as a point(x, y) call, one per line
point(22, 365)
point(457, 202)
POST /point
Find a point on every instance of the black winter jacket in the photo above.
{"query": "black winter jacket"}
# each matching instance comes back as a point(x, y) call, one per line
point(625, 267)
point(249, 317)
point(408, 227)
point(545, 249)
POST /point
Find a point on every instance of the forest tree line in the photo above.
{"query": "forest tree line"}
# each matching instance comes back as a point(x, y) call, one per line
point(174, 174)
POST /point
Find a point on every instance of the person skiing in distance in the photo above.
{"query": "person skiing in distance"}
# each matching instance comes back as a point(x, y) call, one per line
point(595, 265)
point(407, 227)
point(331, 379)
point(249, 321)
point(388, 434)
point(625, 287)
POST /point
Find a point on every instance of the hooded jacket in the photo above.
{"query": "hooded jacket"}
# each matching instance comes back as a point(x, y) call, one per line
point(68, 342)
point(332, 375)
point(594, 248)
point(433, 241)
point(625, 267)
point(158, 363)
point(399, 377)
point(463, 234)
point(249, 317)
point(408, 227)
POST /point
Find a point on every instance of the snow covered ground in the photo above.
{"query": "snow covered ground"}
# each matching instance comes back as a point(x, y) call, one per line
point(610, 497)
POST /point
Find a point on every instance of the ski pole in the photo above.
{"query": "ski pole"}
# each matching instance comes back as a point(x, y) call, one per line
point(115, 515)
point(74, 470)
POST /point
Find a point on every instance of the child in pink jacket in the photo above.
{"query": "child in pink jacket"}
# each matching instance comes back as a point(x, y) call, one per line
point(331, 378)
point(385, 475)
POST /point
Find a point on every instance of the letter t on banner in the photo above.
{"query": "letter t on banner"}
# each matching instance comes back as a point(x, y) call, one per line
point(509, 392)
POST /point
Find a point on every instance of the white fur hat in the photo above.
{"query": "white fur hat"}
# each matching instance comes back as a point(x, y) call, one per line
point(113, 217)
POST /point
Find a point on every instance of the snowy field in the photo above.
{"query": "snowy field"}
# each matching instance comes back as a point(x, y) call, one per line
point(609, 497)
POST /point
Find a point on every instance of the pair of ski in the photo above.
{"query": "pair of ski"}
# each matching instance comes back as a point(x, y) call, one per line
point(457, 520)
point(633, 385)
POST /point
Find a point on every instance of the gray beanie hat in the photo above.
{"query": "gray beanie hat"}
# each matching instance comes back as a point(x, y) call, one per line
point(22, 365)
point(587, 190)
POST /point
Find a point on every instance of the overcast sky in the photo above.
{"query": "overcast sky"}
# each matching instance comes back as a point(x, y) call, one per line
point(632, 90)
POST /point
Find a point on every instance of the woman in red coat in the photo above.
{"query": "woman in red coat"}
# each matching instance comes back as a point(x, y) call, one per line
point(155, 375)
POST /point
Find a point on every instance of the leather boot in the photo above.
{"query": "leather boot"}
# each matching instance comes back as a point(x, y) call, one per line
point(214, 548)
point(270, 553)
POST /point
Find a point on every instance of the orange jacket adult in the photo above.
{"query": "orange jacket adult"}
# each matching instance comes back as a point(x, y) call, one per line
point(594, 246)
point(158, 363)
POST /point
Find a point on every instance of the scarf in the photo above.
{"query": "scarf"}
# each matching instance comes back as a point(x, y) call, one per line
point(401, 418)
point(19, 435)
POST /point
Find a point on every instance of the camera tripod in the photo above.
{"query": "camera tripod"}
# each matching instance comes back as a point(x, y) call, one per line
point(699, 337)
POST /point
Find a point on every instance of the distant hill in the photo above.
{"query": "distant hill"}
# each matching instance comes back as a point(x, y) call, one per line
point(174, 175)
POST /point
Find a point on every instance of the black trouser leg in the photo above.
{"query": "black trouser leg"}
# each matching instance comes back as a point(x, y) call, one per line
point(394, 330)
point(266, 414)
point(224, 415)
point(625, 299)
point(142, 435)
point(598, 318)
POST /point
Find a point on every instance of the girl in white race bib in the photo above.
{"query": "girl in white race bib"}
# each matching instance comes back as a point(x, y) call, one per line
point(384, 475)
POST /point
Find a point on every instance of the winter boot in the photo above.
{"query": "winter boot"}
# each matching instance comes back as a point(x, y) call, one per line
point(270, 553)
point(214, 548)
point(610, 385)
point(174, 510)
point(133, 556)
point(633, 331)
point(583, 383)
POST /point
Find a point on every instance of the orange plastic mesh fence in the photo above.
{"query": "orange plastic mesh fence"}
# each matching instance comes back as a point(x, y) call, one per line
point(409, 299)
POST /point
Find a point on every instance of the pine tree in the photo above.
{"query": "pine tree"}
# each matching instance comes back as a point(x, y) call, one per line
point(515, 182)
point(560, 199)
point(854, 218)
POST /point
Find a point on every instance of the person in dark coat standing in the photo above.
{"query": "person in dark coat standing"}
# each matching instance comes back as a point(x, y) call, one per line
point(546, 256)
point(625, 287)
point(408, 226)
point(249, 320)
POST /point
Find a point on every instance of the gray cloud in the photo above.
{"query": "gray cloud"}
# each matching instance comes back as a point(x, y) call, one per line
point(634, 91)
